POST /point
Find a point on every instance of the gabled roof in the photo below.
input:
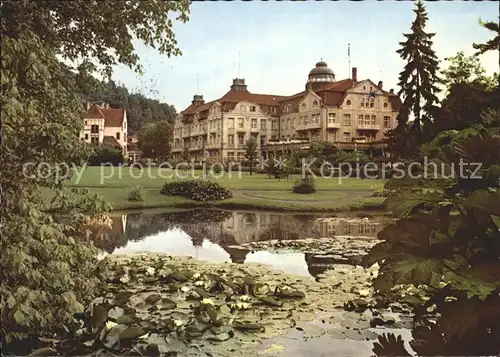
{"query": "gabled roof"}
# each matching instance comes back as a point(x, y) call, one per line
point(229, 100)
point(111, 141)
point(112, 116)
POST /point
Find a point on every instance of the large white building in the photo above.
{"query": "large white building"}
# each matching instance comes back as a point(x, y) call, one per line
point(343, 112)
point(105, 125)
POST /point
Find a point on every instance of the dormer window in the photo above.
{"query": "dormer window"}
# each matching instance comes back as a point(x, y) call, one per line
point(252, 108)
point(303, 106)
point(348, 102)
point(315, 103)
point(386, 105)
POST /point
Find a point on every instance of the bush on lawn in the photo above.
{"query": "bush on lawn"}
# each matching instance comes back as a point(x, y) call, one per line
point(135, 194)
point(104, 155)
point(197, 190)
point(305, 186)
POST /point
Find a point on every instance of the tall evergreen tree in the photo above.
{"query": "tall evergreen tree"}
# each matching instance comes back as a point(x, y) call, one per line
point(418, 81)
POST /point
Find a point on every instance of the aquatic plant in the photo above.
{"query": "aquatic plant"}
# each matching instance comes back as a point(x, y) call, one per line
point(197, 190)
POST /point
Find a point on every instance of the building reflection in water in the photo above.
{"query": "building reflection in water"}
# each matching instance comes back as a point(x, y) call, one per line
point(226, 229)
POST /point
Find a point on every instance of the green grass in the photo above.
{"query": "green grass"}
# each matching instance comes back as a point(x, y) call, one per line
point(255, 191)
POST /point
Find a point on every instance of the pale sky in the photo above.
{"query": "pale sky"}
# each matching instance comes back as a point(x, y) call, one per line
point(280, 42)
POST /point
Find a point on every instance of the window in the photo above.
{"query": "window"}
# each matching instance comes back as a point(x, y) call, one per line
point(243, 108)
point(218, 123)
point(348, 102)
point(303, 106)
point(263, 124)
point(230, 140)
point(386, 105)
point(125, 137)
point(273, 137)
point(230, 123)
point(241, 156)
point(273, 124)
point(85, 122)
point(86, 136)
point(252, 108)
point(367, 120)
point(387, 122)
point(331, 118)
point(94, 129)
point(230, 155)
point(254, 123)
point(288, 124)
point(347, 119)
point(371, 88)
point(347, 137)
point(374, 120)
point(372, 103)
point(360, 119)
point(240, 123)
point(241, 139)
point(362, 102)
point(94, 140)
point(275, 110)
point(315, 103)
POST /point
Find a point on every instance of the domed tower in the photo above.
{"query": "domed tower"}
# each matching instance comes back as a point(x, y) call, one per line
point(320, 75)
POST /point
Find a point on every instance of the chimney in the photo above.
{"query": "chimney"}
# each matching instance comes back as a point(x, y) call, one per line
point(88, 105)
point(198, 99)
point(380, 84)
point(354, 74)
point(239, 85)
point(391, 90)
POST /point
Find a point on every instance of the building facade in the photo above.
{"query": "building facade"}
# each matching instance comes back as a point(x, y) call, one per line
point(346, 112)
point(105, 125)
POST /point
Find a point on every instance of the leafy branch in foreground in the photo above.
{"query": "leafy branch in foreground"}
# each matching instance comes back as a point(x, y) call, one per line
point(447, 243)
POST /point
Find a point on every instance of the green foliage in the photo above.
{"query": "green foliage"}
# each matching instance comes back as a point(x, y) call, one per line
point(491, 45)
point(447, 241)
point(49, 265)
point(154, 140)
point(466, 70)
point(197, 190)
point(305, 185)
point(105, 155)
point(251, 153)
point(135, 194)
point(141, 111)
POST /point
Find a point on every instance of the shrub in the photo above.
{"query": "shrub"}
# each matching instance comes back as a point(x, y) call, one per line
point(135, 194)
point(305, 186)
point(197, 190)
point(103, 154)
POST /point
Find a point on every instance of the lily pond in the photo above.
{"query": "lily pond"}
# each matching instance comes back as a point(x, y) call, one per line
point(235, 283)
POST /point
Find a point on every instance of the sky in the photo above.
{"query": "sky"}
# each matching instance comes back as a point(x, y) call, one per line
point(274, 45)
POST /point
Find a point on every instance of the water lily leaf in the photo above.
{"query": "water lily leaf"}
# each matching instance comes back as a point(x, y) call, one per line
point(44, 351)
point(115, 313)
point(260, 289)
point(180, 276)
point(289, 294)
point(212, 313)
point(111, 338)
point(122, 297)
point(360, 335)
point(126, 320)
point(166, 304)
point(271, 301)
point(248, 326)
point(131, 332)
point(152, 299)
point(224, 336)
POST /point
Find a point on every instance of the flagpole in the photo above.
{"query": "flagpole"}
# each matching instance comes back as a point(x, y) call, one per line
point(349, 59)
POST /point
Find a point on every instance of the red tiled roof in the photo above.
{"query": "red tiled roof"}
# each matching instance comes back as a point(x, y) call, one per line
point(111, 141)
point(111, 116)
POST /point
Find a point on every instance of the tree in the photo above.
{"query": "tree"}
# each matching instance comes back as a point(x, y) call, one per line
point(154, 140)
point(418, 80)
point(48, 263)
point(464, 69)
point(493, 44)
point(251, 153)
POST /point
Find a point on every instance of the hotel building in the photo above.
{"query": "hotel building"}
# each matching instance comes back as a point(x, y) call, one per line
point(351, 113)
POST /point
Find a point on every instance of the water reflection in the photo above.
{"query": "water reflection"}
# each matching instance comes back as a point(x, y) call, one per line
point(212, 235)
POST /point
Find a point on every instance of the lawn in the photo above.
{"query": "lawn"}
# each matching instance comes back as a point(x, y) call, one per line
point(255, 191)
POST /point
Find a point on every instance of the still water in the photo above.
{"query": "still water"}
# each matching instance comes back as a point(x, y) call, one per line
point(217, 236)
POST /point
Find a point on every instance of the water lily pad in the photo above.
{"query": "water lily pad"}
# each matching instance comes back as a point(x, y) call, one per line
point(248, 326)
point(166, 304)
point(111, 338)
point(115, 313)
point(271, 301)
point(126, 320)
point(224, 336)
point(358, 335)
point(152, 299)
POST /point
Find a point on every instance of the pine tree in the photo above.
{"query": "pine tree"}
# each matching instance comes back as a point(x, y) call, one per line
point(418, 81)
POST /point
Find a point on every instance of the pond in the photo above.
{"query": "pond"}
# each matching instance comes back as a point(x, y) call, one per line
point(304, 244)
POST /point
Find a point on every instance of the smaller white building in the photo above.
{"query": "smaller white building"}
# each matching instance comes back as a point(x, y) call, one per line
point(105, 125)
